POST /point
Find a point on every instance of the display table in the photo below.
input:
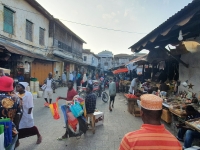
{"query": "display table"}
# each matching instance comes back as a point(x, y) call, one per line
point(178, 112)
point(132, 106)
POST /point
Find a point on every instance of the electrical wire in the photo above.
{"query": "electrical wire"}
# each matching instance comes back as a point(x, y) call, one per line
point(104, 28)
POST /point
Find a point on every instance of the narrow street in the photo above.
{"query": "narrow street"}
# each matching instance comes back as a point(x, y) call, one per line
point(107, 136)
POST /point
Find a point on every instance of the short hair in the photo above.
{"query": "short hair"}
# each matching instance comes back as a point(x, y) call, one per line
point(90, 87)
point(152, 114)
point(70, 81)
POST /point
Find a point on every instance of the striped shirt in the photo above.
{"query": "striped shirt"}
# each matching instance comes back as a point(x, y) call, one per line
point(150, 137)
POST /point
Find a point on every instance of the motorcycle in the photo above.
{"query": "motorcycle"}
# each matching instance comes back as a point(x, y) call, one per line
point(98, 90)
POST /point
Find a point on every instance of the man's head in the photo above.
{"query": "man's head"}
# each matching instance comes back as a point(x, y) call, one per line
point(26, 62)
point(56, 72)
point(70, 84)
point(190, 110)
point(50, 75)
point(21, 86)
point(151, 109)
point(89, 89)
point(6, 84)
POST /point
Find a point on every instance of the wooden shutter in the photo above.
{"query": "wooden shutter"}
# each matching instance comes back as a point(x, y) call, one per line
point(41, 38)
point(29, 30)
point(8, 20)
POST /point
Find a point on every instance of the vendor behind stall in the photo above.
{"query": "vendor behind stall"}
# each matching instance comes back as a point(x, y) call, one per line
point(146, 85)
point(190, 134)
point(163, 86)
point(134, 86)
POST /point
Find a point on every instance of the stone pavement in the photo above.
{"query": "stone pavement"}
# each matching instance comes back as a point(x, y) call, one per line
point(107, 137)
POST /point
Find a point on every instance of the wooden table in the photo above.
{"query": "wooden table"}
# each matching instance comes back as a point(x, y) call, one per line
point(178, 112)
point(132, 106)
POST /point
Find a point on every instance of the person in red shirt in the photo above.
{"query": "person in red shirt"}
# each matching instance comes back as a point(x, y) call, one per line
point(71, 92)
point(70, 95)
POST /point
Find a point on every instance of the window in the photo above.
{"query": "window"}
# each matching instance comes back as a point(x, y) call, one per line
point(8, 20)
point(29, 30)
point(41, 40)
point(85, 58)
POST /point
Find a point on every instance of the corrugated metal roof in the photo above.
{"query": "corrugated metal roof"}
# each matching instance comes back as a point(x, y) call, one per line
point(20, 51)
point(180, 18)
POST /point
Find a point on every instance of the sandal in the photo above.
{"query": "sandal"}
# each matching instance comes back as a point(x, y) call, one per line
point(61, 138)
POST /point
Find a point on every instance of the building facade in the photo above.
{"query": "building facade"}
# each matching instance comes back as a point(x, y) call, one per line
point(90, 58)
point(105, 60)
point(24, 36)
point(30, 36)
point(121, 59)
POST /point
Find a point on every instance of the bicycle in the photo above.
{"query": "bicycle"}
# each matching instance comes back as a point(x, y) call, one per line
point(98, 91)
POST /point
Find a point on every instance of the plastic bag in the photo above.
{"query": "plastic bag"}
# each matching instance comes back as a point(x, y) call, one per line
point(76, 109)
point(7, 131)
point(54, 110)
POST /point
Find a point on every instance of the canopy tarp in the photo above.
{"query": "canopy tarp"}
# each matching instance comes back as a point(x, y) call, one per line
point(121, 70)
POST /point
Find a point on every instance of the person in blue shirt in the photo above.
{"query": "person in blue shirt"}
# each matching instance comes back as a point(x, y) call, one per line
point(190, 134)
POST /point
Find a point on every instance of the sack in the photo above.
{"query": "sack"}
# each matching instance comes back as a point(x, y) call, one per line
point(7, 131)
point(82, 124)
point(76, 109)
point(54, 110)
point(44, 87)
point(2, 137)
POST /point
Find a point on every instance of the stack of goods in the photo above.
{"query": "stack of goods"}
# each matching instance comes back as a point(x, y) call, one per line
point(35, 89)
point(131, 97)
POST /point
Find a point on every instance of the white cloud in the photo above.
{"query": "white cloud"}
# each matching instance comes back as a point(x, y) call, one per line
point(127, 12)
point(109, 15)
point(116, 21)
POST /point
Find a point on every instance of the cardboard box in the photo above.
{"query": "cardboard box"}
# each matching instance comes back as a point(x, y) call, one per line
point(99, 118)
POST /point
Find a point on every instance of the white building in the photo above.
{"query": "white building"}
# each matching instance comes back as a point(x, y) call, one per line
point(29, 29)
point(106, 60)
point(121, 59)
point(90, 58)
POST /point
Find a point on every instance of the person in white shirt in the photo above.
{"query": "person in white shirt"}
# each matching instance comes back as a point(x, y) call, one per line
point(134, 86)
point(26, 125)
point(112, 93)
point(49, 90)
point(71, 77)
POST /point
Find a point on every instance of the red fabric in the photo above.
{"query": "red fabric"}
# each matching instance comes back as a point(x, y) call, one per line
point(120, 70)
point(6, 84)
point(71, 94)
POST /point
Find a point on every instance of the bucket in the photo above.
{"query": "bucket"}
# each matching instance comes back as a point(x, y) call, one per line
point(31, 83)
point(36, 89)
point(36, 83)
point(40, 94)
point(28, 88)
point(34, 95)
point(32, 89)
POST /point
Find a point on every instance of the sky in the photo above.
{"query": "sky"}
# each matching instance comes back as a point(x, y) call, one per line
point(138, 17)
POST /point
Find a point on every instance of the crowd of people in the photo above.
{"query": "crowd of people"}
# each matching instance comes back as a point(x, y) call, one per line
point(152, 134)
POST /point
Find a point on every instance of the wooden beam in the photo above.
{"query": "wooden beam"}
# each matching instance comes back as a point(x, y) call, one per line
point(179, 60)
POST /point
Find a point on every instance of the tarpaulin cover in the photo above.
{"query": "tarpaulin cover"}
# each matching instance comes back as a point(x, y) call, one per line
point(121, 70)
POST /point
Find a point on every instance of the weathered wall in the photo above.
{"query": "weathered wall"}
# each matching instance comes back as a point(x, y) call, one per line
point(192, 74)
point(91, 59)
point(20, 17)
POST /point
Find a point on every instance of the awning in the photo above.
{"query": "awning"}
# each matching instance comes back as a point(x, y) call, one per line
point(21, 51)
point(142, 59)
point(167, 32)
point(65, 58)
point(122, 70)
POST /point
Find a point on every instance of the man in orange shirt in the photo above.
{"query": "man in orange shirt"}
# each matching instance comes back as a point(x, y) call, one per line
point(152, 135)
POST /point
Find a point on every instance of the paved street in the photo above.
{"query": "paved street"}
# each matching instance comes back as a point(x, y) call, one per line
point(107, 137)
